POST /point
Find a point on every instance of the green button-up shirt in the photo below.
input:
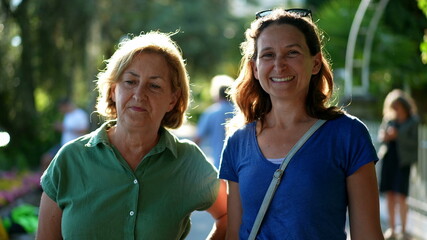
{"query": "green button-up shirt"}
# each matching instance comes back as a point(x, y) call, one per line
point(103, 198)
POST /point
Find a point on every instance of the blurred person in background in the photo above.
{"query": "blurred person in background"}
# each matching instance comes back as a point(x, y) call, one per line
point(398, 134)
point(75, 123)
point(211, 125)
point(284, 87)
point(132, 178)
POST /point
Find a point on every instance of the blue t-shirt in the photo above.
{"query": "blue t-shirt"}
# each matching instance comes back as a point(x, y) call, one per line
point(311, 201)
point(211, 127)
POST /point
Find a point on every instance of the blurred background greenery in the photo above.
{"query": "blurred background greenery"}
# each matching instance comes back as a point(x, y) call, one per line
point(50, 49)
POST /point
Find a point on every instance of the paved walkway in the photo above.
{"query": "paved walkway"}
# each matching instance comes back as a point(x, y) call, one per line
point(416, 223)
point(202, 223)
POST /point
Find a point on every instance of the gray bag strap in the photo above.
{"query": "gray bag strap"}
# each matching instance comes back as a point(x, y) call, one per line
point(277, 177)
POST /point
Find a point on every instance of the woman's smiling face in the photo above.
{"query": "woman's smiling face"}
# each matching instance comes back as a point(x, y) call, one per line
point(284, 65)
point(144, 94)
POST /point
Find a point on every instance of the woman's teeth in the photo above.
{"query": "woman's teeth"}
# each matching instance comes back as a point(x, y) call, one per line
point(286, 79)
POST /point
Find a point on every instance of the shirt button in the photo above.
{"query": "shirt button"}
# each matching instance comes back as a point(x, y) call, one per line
point(131, 213)
point(135, 181)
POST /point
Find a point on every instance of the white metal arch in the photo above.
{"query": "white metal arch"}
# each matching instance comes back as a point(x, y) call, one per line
point(351, 45)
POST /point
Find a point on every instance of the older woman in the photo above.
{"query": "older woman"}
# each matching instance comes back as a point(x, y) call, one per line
point(132, 178)
point(283, 89)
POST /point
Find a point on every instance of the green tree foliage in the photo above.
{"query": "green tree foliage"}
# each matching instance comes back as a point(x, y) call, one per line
point(19, 116)
point(50, 49)
point(404, 35)
point(395, 60)
point(335, 20)
point(422, 4)
point(314, 5)
point(62, 46)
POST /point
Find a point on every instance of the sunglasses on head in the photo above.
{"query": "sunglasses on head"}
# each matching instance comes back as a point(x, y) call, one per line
point(302, 12)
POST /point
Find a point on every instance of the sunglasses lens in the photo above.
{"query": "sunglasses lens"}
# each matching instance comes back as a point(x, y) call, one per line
point(299, 11)
point(262, 13)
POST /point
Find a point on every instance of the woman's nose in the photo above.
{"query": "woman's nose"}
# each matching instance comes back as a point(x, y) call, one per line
point(280, 63)
point(140, 93)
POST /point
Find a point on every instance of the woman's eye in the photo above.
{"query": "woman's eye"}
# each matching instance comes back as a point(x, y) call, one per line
point(155, 86)
point(293, 53)
point(129, 82)
point(266, 55)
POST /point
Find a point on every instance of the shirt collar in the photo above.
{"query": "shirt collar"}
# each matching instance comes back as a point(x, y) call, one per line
point(167, 140)
point(100, 135)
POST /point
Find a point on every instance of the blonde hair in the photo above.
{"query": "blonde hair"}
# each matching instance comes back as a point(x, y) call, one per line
point(154, 42)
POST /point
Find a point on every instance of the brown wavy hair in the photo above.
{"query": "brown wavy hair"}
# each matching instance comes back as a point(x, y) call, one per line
point(253, 102)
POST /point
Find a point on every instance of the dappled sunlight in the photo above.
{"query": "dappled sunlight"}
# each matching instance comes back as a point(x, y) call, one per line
point(4, 139)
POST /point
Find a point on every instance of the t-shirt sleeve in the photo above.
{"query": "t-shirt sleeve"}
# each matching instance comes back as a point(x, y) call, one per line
point(55, 180)
point(360, 149)
point(51, 178)
point(227, 169)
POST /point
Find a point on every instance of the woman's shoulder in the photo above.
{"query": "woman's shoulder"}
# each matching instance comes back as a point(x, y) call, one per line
point(345, 118)
point(78, 143)
point(182, 148)
point(85, 144)
point(347, 122)
point(243, 131)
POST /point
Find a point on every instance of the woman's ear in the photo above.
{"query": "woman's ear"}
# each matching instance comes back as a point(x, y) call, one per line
point(317, 60)
point(174, 99)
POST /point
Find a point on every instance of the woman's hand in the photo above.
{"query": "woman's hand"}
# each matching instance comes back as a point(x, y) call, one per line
point(391, 133)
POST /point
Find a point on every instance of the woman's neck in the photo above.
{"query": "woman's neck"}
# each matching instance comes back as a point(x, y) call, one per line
point(133, 145)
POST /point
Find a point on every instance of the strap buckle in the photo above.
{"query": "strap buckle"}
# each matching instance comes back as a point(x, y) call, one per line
point(278, 173)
